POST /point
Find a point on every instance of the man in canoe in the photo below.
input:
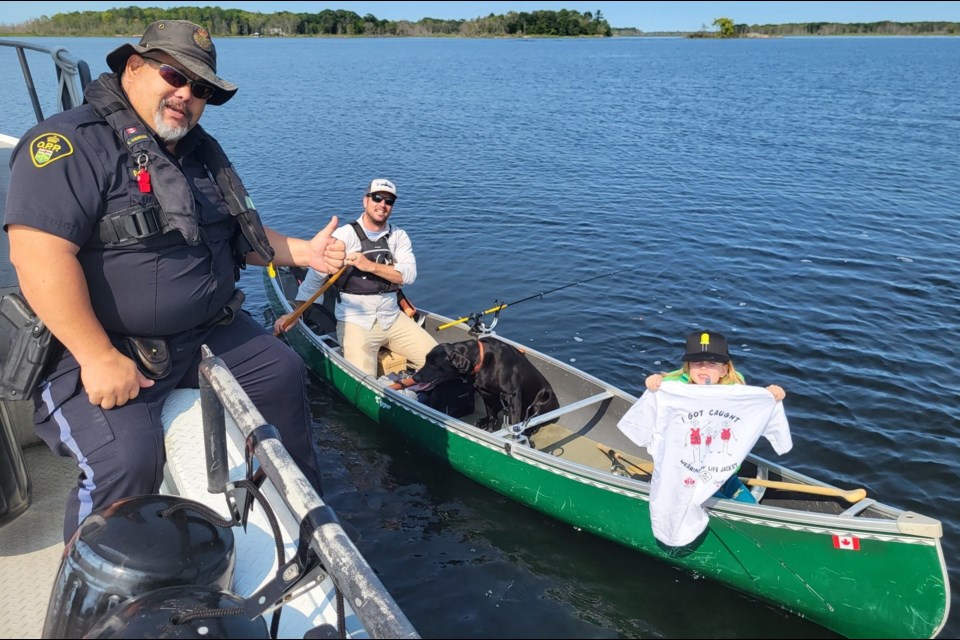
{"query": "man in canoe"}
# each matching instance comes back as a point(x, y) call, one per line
point(380, 260)
point(128, 227)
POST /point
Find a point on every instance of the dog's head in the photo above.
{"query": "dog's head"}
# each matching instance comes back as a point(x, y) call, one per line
point(449, 361)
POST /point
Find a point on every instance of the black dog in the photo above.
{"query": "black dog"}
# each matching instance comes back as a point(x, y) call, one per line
point(506, 380)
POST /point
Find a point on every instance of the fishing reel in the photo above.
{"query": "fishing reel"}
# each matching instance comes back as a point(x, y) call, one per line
point(478, 327)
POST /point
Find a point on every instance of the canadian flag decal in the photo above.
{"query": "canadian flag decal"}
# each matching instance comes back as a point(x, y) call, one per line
point(849, 543)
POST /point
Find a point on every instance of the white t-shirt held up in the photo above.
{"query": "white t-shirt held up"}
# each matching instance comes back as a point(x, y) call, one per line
point(698, 435)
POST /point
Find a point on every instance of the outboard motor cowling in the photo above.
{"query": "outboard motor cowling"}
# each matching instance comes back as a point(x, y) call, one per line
point(128, 549)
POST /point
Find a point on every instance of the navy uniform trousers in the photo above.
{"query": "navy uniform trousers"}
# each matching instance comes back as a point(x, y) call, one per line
point(120, 451)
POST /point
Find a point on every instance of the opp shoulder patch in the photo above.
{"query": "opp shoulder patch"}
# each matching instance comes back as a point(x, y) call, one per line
point(49, 147)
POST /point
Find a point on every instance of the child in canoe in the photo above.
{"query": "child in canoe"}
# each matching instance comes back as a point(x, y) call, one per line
point(707, 361)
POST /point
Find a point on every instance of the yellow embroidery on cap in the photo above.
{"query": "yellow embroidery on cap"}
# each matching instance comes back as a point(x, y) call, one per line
point(704, 339)
point(202, 39)
point(49, 147)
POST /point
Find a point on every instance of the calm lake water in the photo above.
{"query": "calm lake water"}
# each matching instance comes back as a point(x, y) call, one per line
point(798, 195)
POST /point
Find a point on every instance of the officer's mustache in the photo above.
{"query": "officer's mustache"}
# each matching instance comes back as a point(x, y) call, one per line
point(179, 105)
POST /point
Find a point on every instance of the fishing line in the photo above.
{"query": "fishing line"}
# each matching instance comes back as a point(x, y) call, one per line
point(497, 309)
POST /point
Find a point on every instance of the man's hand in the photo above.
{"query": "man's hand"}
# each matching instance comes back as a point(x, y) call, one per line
point(361, 262)
point(278, 326)
point(326, 252)
point(112, 380)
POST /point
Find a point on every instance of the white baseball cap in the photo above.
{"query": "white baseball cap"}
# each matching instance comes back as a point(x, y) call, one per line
point(382, 185)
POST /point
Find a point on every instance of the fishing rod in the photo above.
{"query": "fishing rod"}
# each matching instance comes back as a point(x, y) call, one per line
point(500, 307)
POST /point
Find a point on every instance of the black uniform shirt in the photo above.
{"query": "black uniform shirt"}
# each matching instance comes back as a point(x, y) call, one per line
point(70, 170)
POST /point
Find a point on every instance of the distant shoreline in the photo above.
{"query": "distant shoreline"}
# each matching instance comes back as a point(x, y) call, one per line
point(683, 36)
point(564, 23)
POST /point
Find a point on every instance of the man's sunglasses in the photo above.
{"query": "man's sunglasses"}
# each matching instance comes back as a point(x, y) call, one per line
point(176, 79)
point(376, 197)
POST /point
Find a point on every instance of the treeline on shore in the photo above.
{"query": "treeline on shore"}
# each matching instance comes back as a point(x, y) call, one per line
point(885, 28)
point(129, 21)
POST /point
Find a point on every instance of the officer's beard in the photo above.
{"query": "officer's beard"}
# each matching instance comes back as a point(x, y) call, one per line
point(167, 132)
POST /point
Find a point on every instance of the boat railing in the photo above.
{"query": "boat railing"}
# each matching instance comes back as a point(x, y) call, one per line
point(73, 75)
point(374, 606)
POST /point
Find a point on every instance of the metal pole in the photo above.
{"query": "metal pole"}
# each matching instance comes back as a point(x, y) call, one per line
point(370, 600)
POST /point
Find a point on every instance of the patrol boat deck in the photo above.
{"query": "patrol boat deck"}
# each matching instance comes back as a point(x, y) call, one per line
point(31, 545)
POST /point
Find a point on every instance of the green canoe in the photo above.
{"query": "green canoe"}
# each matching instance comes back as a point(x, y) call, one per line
point(856, 566)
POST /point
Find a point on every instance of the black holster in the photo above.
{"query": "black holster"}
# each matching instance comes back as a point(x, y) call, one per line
point(25, 348)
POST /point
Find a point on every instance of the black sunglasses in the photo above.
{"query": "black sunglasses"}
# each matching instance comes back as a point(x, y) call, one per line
point(176, 79)
point(376, 197)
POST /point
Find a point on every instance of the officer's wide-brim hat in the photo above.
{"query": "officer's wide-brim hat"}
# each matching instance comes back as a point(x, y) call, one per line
point(706, 346)
point(189, 44)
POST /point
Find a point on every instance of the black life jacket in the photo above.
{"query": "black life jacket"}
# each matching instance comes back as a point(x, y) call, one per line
point(176, 208)
point(360, 282)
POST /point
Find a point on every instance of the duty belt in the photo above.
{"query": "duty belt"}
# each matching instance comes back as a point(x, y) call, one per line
point(228, 312)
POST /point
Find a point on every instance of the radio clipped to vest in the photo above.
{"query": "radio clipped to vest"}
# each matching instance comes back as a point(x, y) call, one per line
point(25, 347)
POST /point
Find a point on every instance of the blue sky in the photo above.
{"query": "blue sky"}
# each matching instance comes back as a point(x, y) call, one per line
point(647, 16)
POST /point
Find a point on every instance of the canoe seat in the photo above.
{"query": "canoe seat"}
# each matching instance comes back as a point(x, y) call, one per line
point(569, 445)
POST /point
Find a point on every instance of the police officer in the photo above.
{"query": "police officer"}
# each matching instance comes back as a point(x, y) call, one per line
point(128, 227)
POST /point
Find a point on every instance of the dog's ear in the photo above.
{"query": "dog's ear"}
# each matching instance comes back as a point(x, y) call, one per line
point(437, 354)
point(459, 354)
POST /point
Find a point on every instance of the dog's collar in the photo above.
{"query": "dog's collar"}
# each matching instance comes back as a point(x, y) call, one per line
point(476, 369)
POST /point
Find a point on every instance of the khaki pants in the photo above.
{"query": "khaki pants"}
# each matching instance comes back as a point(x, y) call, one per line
point(404, 337)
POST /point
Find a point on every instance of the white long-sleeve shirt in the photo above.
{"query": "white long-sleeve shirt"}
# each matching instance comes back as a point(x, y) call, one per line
point(364, 310)
point(698, 435)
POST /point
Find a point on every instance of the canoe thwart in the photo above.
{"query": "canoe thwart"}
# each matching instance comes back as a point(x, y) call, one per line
point(550, 416)
point(858, 508)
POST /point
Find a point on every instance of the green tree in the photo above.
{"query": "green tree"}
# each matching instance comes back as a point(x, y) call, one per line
point(725, 27)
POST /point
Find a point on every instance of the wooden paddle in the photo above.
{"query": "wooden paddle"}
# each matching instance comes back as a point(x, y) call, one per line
point(306, 305)
point(853, 495)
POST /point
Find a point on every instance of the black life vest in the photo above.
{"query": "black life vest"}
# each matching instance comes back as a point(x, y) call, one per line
point(360, 282)
point(176, 208)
